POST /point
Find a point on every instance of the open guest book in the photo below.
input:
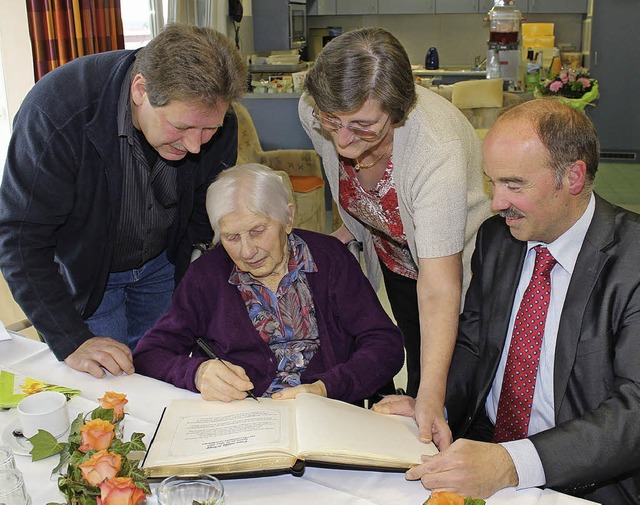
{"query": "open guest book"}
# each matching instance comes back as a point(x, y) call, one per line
point(276, 436)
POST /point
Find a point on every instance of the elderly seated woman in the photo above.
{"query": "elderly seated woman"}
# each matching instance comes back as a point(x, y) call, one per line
point(288, 311)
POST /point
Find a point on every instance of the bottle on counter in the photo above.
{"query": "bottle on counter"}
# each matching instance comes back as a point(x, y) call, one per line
point(493, 64)
point(556, 62)
point(532, 77)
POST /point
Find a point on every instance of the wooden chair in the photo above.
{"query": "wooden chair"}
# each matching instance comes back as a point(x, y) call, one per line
point(11, 314)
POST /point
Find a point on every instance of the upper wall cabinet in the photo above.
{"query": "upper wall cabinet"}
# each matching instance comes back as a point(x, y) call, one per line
point(356, 7)
point(485, 6)
point(556, 6)
point(407, 6)
point(541, 6)
point(321, 8)
point(457, 6)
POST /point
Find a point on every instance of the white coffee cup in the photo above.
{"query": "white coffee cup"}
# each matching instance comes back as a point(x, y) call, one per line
point(46, 410)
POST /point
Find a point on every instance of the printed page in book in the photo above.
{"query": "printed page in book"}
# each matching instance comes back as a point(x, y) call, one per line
point(218, 437)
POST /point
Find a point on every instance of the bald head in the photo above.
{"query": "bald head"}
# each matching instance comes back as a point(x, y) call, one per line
point(567, 134)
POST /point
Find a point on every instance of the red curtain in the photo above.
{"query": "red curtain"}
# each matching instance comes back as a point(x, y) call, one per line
point(62, 30)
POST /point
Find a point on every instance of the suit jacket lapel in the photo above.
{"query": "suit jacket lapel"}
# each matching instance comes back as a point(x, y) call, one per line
point(508, 265)
point(588, 266)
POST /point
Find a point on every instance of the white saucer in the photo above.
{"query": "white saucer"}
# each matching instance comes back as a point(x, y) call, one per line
point(20, 445)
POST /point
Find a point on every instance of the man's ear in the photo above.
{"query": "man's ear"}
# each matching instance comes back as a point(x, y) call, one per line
point(138, 90)
point(577, 177)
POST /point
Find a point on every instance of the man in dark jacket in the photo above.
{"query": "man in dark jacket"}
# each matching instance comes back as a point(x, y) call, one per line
point(103, 195)
point(544, 386)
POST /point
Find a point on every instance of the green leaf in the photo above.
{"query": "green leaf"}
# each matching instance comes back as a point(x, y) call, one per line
point(65, 455)
point(104, 414)
point(44, 445)
point(474, 501)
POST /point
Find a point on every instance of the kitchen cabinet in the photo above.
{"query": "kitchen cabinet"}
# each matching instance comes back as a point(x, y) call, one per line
point(485, 6)
point(614, 31)
point(321, 8)
point(457, 6)
point(356, 7)
point(557, 7)
point(407, 6)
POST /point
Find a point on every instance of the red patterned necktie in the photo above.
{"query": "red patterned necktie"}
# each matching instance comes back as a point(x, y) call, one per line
point(518, 384)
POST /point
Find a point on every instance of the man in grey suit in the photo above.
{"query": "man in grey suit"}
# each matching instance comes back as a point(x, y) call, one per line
point(581, 429)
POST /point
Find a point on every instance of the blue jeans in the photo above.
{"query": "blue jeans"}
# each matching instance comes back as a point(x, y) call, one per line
point(133, 301)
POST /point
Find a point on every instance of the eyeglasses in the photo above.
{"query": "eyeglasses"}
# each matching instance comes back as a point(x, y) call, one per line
point(333, 125)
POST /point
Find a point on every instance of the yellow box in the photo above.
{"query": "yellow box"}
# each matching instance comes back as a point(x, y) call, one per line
point(535, 29)
point(538, 41)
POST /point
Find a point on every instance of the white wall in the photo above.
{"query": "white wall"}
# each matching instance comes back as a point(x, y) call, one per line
point(16, 66)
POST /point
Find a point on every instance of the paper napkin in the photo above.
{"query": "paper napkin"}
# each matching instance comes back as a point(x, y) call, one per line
point(14, 387)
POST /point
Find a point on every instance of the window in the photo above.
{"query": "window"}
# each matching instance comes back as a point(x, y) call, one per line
point(141, 21)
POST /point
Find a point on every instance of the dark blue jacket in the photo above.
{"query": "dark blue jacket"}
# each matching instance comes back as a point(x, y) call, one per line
point(61, 193)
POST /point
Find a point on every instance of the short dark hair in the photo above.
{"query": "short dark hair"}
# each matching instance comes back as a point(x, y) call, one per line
point(193, 64)
point(566, 133)
point(363, 64)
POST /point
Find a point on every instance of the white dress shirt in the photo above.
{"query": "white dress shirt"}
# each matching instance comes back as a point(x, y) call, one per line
point(565, 250)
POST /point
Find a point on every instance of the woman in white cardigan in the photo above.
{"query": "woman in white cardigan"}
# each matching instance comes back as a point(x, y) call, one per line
point(404, 166)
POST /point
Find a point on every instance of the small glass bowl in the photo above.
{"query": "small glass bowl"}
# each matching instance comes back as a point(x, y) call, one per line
point(184, 489)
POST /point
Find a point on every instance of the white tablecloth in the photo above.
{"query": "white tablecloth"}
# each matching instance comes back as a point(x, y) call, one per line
point(147, 397)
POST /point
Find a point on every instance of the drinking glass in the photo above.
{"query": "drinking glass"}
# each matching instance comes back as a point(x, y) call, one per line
point(12, 490)
point(6, 458)
point(184, 489)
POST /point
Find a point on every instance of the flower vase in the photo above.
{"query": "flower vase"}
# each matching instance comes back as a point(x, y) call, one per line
point(119, 430)
point(577, 103)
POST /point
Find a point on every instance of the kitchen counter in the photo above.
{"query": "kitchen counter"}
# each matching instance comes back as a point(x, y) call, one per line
point(449, 75)
point(472, 74)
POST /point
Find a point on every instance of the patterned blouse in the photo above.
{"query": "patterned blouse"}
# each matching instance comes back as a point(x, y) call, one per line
point(286, 319)
point(377, 209)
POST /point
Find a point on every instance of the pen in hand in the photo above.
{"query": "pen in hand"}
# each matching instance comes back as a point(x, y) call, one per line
point(209, 352)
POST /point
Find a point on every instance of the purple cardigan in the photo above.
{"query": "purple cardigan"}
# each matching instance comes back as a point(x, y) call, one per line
point(360, 348)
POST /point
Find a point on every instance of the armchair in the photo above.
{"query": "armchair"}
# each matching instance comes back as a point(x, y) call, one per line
point(302, 167)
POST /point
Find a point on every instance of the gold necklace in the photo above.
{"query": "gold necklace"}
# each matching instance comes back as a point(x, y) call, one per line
point(359, 166)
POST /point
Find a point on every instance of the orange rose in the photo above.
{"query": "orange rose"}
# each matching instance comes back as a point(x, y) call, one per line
point(115, 401)
point(120, 491)
point(445, 498)
point(97, 434)
point(101, 466)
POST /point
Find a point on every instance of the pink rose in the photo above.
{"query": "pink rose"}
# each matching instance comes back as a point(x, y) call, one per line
point(555, 86)
point(101, 466)
point(585, 82)
point(120, 491)
point(97, 434)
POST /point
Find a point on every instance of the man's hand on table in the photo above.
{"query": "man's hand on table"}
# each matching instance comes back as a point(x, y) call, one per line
point(99, 354)
point(223, 381)
point(466, 467)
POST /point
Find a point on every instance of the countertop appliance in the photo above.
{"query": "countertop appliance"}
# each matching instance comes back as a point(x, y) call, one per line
point(279, 25)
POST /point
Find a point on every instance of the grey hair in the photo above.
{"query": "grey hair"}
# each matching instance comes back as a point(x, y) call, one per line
point(359, 65)
point(252, 186)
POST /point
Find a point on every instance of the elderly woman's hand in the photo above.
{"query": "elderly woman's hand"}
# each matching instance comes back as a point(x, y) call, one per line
point(222, 381)
point(317, 388)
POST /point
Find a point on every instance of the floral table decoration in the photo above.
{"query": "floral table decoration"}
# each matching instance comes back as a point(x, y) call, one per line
point(96, 466)
point(571, 87)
